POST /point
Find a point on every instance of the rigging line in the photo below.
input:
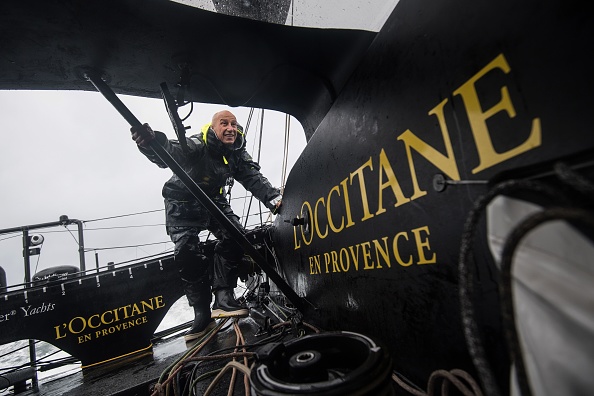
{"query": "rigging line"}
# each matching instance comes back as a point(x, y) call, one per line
point(254, 142)
point(124, 215)
point(256, 214)
point(258, 225)
point(10, 237)
point(248, 122)
point(37, 263)
point(94, 229)
point(286, 149)
point(123, 247)
point(252, 154)
point(259, 153)
point(40, 360)
point(137, 249)
point(248, 210)
point(261, 134)
point(70, 232)
point(120, 227)
point(242, 197)
point(284, 164)
point(25, 346)
point(278, 268)
point(145, 257)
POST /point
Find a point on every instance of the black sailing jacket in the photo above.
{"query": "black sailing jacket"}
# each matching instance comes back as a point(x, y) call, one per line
point(210, 163)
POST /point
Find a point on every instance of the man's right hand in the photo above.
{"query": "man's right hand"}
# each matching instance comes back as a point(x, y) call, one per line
point(142, 135)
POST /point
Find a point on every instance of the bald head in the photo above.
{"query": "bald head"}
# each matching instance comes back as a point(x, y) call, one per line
point(222, 114)
point(224, 125)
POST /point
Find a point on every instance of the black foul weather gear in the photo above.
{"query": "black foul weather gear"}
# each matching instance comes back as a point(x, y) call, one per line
point(225, 305)
point(210, 163)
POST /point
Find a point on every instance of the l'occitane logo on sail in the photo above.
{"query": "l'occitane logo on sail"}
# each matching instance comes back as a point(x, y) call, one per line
point(109, 322)
point(353, 189)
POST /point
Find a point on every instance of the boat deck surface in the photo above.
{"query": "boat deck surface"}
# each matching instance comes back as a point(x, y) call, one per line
point(138, 377)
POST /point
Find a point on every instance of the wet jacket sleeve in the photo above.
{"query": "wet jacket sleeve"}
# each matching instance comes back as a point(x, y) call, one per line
point(173, 147)
point(248, 174)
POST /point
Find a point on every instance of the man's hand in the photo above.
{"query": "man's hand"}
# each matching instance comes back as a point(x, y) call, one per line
point(277, 202)
point(142, 135)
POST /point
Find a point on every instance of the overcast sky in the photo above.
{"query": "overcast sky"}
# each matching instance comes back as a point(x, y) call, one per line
point(70, 153)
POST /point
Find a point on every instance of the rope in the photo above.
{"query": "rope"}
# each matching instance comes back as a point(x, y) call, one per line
point(241, 341)
point(465, 277)
point(505, 286)
point(575, 180)
point(176, 366)
point(452, 377)
point(169, 380)
point(231, 364)
point(234, 372)
point(407, 387)
point(221, 356)
point(568, 178)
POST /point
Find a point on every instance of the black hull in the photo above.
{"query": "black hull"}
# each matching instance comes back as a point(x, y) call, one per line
point(101, 318)
point(412, 125)
point(467, 90)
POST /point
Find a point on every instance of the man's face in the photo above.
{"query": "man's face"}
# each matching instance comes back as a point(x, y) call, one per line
point(224, 124)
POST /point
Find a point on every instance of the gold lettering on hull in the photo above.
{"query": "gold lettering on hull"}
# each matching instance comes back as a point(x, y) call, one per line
point(384, 252)
point(110, 321)
point(376, 254)
point(478, 117)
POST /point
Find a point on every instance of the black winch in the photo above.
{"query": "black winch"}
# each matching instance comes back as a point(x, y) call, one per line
point(331, 363)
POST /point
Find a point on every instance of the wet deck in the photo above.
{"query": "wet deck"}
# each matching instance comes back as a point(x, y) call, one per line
point(138, 377)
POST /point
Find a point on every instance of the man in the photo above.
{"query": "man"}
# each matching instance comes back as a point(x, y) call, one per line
point(213, 156)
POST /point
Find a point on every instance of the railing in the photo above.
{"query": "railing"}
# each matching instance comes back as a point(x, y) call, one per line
point(17, 374)
point(30, 241)
point(29, 249)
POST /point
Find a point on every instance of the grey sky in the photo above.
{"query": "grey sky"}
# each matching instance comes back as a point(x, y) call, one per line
point(70, 153)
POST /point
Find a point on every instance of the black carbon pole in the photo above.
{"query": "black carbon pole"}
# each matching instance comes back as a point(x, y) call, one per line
point(200, 195)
